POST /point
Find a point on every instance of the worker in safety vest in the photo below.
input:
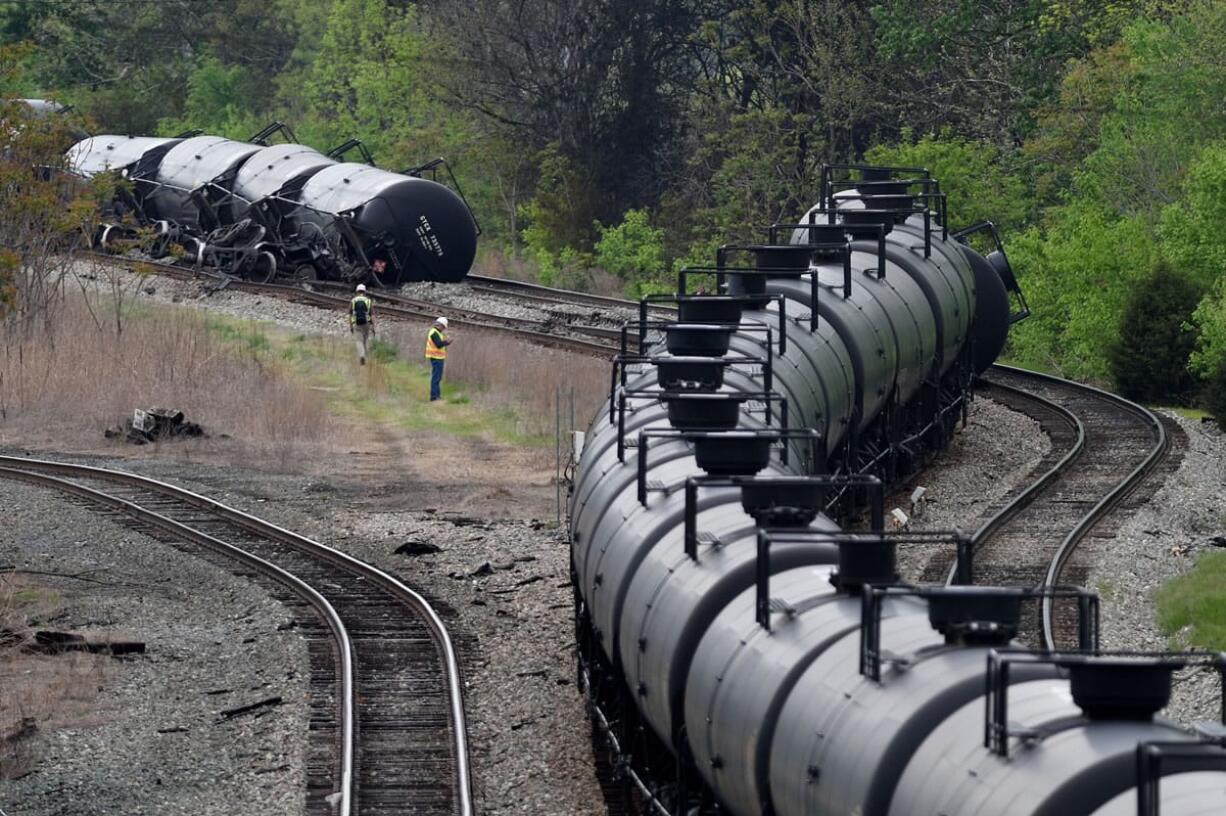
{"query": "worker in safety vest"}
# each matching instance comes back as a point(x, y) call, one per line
point(361, 321)
point(436, 353)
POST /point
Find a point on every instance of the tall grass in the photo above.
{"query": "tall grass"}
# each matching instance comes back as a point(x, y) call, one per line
point(68, 379)
point(499, 373)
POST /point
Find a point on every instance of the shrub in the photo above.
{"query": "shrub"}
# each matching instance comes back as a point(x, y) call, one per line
point(1149, 359)
point(1213, 393)
point(633, 250)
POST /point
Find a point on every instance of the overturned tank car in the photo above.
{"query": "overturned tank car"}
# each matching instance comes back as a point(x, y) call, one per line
point(257, 210)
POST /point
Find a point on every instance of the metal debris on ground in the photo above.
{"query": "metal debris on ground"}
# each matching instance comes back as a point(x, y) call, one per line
point(153, 424)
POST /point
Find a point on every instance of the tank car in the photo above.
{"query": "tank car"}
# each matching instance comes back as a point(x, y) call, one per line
point(740, 650)
point(257, 210)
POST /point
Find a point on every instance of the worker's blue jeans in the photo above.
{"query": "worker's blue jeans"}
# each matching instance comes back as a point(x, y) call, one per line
point(436, 379)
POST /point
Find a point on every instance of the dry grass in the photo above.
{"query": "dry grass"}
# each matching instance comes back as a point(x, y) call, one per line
point(74, 376)
point(502, 374)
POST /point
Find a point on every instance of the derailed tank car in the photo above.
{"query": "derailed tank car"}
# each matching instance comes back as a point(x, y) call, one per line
point(256, 210)
point(744, 655)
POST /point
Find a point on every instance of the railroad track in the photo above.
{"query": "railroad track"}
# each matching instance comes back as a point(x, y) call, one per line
point(1102, 448)
point(592, 341)
point(403, 749)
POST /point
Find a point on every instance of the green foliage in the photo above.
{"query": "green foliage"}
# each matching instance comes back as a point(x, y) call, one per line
point(1149, 359)
point(1213, 393)
point(1192, 228)
point(1161, 119)
point(1077, 273)
point(974, 175)
point(633, 250)
point(1210, 321)
point(1192, 607)
point(216, 97)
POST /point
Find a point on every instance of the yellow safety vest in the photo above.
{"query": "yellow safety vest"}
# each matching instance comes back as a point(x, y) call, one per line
point(353, 307)
point(434, 348)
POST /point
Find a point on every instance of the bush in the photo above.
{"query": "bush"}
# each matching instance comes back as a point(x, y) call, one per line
point(1149, 360)
point(1213, 393)
point(633, 250)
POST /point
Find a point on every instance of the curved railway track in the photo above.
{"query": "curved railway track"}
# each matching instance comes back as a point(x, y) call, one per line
point(592, 341)
point(404, 748)
point(1102, 448)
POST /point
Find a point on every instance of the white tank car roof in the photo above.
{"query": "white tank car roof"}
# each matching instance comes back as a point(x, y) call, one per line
point(268, 170)
point(201, 159)
point(98, 154)
point(346, 186)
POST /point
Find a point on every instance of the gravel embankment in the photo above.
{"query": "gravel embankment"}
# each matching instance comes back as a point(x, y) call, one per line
point(995, 452)
point(1159, 542)
point(511, 619)
point(145, 734)
point(197, 294)
point(465, 296)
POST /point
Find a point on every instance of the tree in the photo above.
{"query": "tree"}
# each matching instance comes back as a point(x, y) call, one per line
point(974, 175)
point(1149, 359)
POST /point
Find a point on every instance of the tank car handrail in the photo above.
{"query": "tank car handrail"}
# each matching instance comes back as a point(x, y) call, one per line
point(693, 483)
point(1159, 758)
point(996, 730)
point(1007, 278)
point(621, 362)
point(827, 176)
point(772, 435)
point(663, 395)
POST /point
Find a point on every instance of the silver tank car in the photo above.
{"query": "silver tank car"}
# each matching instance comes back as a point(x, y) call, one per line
point(730, 633)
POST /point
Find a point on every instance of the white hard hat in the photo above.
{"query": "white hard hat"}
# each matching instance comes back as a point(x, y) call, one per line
point(442, 321)
point(361, 287)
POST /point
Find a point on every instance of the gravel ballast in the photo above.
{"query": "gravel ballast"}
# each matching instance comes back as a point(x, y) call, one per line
point(145, 734)
point(1159, 542)
point(503, 585)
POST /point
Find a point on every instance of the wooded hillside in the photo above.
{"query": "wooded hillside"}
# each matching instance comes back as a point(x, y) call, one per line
point(604, 141)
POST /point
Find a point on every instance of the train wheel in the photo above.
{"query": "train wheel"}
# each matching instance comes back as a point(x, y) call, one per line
point(305, 273)
point(263, 268)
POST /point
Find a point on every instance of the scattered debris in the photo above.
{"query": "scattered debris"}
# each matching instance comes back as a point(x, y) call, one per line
point(486, 568)
point(174, 729)
point(153, 424)
point(52, 643)
point(231, 713)
point(1217, 541)
point(418, 548)
point(468, 521)
point(24, 730)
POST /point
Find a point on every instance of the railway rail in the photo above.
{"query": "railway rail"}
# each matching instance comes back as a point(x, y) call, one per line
point(592, 341)
point(1102, 448)
point(404, 748)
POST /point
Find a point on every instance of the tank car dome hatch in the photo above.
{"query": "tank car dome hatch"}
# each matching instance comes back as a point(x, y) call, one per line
point(99, 154)
point(425, 226)
point(275, 167)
